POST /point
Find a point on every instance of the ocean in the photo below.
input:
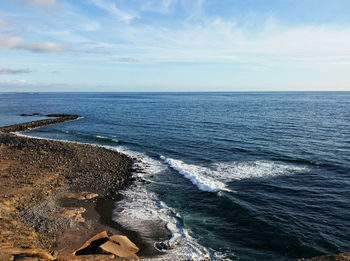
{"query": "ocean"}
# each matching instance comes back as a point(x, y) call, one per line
point(232, 176)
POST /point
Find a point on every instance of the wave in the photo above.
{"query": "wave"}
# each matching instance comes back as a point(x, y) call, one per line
point(144, 164)
point(106, 139)
point(255, 169)
point(197, 175)
point(86, 135)
point(215, 177)
point(142, 211)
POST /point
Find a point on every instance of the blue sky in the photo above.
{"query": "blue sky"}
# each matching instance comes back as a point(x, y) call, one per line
point(174, 45)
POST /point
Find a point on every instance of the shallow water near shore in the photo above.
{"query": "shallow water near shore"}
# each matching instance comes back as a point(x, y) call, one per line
point(235, 176)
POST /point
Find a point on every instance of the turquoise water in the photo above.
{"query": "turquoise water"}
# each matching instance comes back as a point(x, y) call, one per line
point(235, 176)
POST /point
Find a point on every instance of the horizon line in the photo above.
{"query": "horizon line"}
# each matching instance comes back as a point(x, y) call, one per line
point(34, 92)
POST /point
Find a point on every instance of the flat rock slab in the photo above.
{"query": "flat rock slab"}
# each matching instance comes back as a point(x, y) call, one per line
point(17, 253)
point(90, 245)
point(118, 250)
point(72, 239)
point(119, 246)
point(81, 195)
point(124, 242)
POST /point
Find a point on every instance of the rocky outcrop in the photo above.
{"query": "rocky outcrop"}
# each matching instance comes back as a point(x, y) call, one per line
point(117, 245)
point(336, 257)
point(36, 124)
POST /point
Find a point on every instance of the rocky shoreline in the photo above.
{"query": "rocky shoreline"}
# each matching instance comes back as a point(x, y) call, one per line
point(52, 195)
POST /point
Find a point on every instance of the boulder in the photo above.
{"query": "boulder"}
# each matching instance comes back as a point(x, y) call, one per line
point(112, 248)
point(119, 246)
point(90, 246)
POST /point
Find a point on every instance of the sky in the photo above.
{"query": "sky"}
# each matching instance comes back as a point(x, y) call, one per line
point(174, 45)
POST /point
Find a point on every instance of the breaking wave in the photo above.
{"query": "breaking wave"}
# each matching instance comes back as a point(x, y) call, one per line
point(198, 175)
point(213, 178)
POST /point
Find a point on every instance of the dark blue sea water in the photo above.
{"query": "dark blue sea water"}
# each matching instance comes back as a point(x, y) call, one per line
point(236, 176)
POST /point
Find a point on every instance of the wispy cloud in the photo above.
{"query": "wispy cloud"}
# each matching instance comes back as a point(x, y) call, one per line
point(42, 47)
point(219, 41)
point(10, 42)
point(24, 86)
point(90, 26)
point(160, 6)
point(110, 7)
point(17, 43)
point(6, 26)
point(127, 60)
point(14, 71)
point(168, 36)
point(42, 2)
point(3, 22)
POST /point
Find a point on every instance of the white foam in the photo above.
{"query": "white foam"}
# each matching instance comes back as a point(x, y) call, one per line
point(213, 178)
point(106, 138)
point(143, 162)
point(255, 169)
point(203, 178)
point(33, 137)
point(141, 210)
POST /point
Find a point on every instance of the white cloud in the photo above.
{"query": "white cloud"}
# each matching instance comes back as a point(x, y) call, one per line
point(126, 59)
point(111, 8)
point(13, 71)
point(43, 47)
point(40, 86)
point(90, 26)
point(219, 41)
point(247, 46)
point(160, 6)
point(16, 43)
point(9, 42)
point(192, 8)
point(19, 82)
point(3, 22)
point(43, 2)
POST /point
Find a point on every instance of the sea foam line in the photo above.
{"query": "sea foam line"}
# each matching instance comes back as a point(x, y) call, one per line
point(230, 171)
point(141, 209)
point(197, 175)
point(215, 177)
point(106, 138)
point(142, 162)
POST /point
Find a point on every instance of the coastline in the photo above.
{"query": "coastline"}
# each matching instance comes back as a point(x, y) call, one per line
point(41, 179)
point(56, 195)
